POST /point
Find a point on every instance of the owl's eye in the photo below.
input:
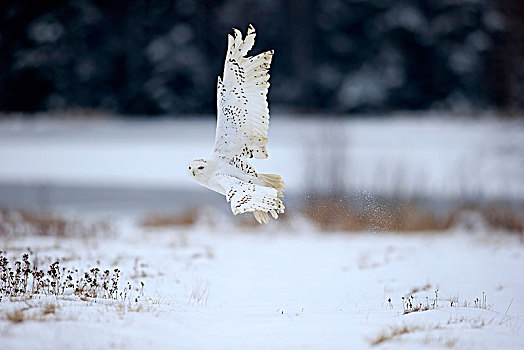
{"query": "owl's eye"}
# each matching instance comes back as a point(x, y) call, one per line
point(189, 168)
point(200, 167)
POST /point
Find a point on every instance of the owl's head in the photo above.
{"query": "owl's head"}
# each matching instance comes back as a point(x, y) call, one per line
point(197, 167)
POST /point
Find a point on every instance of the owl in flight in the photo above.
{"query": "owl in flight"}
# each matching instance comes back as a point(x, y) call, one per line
point(242, 123)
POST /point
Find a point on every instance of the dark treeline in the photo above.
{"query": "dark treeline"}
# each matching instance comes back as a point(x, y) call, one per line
point(162, 57)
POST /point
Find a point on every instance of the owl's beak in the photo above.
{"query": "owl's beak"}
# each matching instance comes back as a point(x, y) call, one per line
point(193, 173)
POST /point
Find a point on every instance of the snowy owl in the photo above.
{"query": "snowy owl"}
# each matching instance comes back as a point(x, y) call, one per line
point(242, 123)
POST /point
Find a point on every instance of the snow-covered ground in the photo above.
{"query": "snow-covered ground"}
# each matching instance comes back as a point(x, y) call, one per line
point(218, 286)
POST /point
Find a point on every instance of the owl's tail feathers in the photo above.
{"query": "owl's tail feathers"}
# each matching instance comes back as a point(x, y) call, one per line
point(274, 181)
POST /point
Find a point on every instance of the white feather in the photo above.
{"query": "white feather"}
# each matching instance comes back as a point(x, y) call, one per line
point(249, 197)
point(242, 108)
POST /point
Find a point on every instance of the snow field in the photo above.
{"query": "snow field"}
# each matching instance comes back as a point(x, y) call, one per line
point(281, 285)
point(278, 287)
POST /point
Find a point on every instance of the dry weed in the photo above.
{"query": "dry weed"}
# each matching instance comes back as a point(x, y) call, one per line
point(199, 294)
point(497, 215)
point(22, 279)
point(395, 332)
point(50, 308)
point(338, 214)
point(186, 218)
point(411, 303)
point(15, 316)
point(397, 215)
point(26, 223)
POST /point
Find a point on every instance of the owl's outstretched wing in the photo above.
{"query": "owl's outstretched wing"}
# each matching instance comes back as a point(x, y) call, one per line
point(242, 108)
point(248, 197)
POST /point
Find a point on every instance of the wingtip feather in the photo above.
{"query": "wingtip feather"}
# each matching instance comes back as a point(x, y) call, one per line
point(252, 74)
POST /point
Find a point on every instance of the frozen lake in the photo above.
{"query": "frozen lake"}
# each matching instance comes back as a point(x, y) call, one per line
point(118, 164)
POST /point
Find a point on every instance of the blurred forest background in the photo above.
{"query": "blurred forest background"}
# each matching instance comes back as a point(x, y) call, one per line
point(152, 57)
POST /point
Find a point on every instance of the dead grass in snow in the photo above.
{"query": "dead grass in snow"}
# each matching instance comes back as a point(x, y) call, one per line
point(16, 223)
point(395, 332)
point(398, 215)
